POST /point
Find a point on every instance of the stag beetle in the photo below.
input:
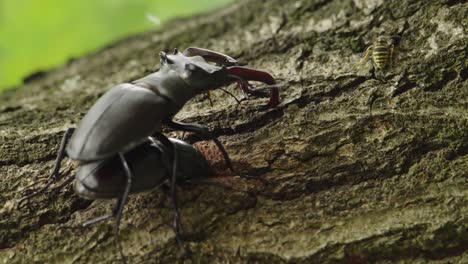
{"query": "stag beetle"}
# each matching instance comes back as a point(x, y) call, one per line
point(128, 113)
point(125, 116)
point(151, 167)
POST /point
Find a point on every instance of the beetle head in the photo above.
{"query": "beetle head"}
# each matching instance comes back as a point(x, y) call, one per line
point(195, 71)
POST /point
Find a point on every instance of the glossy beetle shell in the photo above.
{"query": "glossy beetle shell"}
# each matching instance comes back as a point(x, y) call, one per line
point(128, 113)
point(120, 120)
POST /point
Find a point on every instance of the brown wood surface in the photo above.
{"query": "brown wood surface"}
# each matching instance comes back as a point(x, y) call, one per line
point(360, 167)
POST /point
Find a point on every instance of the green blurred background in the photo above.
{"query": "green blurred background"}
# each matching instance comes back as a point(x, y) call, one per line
point(39, 34)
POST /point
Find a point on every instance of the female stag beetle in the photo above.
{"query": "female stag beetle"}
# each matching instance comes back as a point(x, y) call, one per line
point(125, 116)
point(151, 167)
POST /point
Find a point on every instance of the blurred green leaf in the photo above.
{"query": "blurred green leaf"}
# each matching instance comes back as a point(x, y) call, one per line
point(39, 34)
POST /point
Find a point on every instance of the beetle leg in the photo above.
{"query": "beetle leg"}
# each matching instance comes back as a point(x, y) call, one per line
point(392, 55)
point(117, 211)
point(202, 130)
point(54, 175)
point(103, 217)
point(173, 169)
point(247, 74)
point(189, 127)
point(176, 224)
point(211, 56)
point(243, 86)
point(121, 204)
point(366, 55)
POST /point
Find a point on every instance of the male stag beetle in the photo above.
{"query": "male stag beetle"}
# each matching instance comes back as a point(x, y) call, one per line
point(146, 103)
point(126, 115)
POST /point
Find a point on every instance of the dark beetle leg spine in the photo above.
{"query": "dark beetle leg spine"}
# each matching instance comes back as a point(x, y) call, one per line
point(54, 175)
point(121, 204)
point(177, 227)
point(104, 217)
point(227, 159)
point(173, 180)
point(196, 128)
point(204, 131)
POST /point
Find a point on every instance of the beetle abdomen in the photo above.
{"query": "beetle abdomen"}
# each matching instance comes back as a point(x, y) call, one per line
point(106, 179)
point(192, 164)
point(120, 120)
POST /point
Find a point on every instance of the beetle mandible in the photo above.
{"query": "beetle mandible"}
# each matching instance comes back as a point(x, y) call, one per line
point(129, 113)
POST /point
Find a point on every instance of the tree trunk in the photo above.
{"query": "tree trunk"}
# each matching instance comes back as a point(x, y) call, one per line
point(360, 165)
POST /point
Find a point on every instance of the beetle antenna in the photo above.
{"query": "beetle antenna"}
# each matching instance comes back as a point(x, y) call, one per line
point(226, 91)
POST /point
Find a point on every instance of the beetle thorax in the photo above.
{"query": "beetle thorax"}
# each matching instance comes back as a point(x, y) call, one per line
point(168, 84)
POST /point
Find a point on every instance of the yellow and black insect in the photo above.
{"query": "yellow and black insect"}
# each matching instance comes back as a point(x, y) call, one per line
point(383, 51)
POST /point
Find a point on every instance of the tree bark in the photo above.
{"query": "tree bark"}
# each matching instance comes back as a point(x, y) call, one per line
point(360, 165)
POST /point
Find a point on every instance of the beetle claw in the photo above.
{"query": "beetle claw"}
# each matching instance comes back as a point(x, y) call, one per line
point(55, 171)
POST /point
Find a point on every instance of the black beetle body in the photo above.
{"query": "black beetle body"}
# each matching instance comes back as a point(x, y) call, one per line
point(129, 113)
point(109, 143)
point(150, 166)
point(121, 119)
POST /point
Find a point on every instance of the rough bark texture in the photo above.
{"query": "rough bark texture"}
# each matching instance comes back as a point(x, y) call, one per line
point(358, 169)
